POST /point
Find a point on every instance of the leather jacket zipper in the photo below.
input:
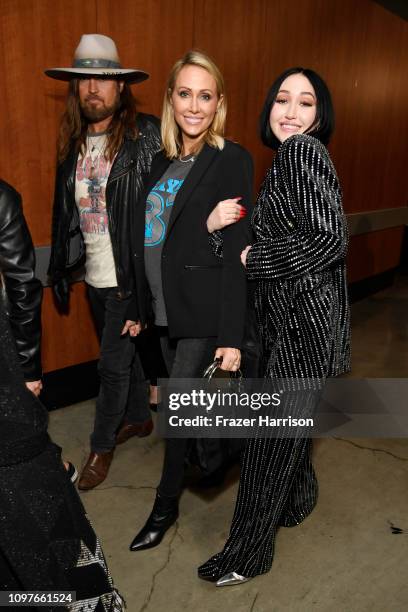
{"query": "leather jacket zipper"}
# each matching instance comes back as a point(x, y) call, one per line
point(125, 171)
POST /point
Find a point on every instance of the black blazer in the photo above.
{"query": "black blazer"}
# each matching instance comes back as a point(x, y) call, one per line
point(298, 262)
point(204, 296)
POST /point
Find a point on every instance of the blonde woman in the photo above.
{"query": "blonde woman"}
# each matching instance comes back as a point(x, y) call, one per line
point(198, 299)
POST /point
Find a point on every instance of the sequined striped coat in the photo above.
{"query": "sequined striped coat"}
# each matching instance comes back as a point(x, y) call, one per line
point(298, 264)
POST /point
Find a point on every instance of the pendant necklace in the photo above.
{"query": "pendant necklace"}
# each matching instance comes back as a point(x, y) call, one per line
point(98, 144)
point(187, 158)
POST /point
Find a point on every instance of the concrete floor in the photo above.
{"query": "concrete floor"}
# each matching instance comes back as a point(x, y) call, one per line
point(343, 558)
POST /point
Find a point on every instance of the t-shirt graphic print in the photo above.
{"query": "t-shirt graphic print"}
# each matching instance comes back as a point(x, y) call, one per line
point(90, 195)
point(159, 205)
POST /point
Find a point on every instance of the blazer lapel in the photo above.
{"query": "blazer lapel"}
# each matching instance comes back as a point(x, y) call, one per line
point(204, 159)
point(159, 166)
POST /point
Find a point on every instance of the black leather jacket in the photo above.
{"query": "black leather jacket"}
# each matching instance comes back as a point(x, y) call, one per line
point(123, 189)
point(23, 291)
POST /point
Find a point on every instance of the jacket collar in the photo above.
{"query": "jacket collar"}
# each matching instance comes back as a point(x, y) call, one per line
point(123, 160)
point(203, 161)
point(161, 163)
point(130, 150)
point(159, 167)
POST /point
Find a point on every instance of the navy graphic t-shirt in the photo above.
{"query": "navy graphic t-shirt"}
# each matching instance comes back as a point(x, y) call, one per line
point(159, 204)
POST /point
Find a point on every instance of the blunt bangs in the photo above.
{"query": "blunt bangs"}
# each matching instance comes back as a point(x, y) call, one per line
point(324, 125)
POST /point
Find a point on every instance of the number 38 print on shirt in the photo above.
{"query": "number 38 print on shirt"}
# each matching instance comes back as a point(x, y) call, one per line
point(160, 201)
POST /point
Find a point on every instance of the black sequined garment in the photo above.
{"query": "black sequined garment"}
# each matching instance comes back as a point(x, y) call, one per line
point(298, 266)
point(46, 540)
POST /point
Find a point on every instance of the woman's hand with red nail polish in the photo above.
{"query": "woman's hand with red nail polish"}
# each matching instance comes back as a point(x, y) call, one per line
point(225, 213)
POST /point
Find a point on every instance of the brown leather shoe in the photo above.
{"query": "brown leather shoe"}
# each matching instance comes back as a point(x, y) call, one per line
point(128, 430)
point(95, 471)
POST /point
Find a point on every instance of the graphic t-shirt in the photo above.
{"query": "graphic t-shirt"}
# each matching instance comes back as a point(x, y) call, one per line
point(92, 174)
point(159, 204)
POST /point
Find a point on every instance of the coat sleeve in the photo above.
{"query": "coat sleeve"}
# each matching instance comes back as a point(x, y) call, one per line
point(320, 236)
point(236, 181)
point(24, 291)
point(216, 242)
point(56, 271)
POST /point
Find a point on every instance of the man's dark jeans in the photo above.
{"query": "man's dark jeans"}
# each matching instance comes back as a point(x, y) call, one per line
point(124, 390)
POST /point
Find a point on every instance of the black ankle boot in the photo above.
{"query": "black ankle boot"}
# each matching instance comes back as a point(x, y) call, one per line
point(163, 516)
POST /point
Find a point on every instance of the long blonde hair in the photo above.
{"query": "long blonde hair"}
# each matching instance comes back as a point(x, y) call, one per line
point(170, 131)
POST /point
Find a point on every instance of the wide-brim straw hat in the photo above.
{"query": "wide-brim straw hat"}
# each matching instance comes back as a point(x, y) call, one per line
point(97, 56)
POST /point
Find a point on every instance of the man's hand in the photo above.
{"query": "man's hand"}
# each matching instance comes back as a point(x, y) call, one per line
point(244, 255)
point(231, 358)
point(225, 213)
point(133, 327)
point(61, 292)
point(34, 386)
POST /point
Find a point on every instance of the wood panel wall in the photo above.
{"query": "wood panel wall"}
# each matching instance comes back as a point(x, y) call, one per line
point(360, 48)
point(374, 252)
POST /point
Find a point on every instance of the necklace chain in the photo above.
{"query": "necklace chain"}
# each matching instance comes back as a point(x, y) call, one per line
point(92, 144)
point(186, 161)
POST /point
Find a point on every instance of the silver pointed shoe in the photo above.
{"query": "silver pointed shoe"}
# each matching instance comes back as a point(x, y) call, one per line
point(231, 579)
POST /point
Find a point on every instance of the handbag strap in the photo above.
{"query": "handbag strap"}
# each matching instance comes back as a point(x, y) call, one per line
point(209, 372)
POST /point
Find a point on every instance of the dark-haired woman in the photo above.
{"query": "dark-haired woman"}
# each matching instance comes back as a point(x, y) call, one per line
point(298, 265)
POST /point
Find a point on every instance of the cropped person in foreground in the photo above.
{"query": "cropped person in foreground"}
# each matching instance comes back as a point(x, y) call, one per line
point(22, 288)
point(46, 540)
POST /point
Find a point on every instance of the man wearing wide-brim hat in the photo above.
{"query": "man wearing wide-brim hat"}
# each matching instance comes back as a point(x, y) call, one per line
point(105, 147)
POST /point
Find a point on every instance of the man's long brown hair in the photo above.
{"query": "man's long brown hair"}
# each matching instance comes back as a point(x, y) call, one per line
point(74, 125)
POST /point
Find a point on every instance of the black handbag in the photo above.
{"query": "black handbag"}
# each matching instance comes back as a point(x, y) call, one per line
point(210, 454)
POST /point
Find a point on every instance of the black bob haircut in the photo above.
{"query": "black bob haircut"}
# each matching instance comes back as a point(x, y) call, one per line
point(324, 125)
